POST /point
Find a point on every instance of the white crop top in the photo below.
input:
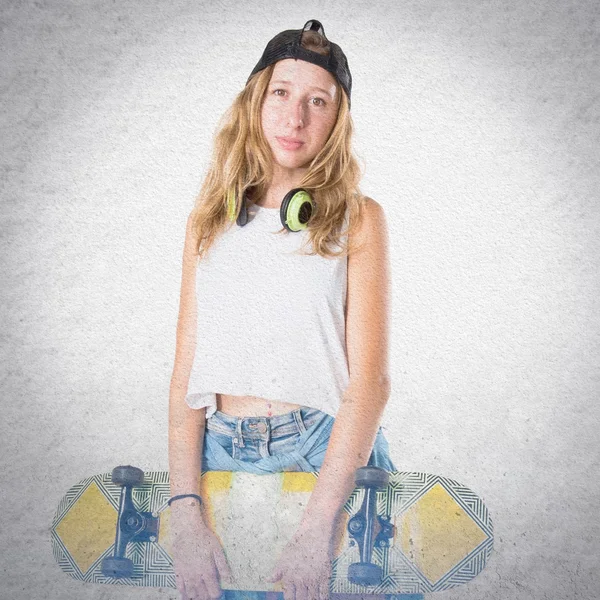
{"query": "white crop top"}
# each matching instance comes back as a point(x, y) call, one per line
point(270, 321)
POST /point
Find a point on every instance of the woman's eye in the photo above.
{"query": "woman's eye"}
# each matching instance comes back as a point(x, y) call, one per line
point(316, 101)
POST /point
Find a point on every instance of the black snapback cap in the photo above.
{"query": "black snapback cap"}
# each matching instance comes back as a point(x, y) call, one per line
point(287, 45)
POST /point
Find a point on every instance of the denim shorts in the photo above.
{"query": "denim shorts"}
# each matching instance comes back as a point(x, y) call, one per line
point(294, 441)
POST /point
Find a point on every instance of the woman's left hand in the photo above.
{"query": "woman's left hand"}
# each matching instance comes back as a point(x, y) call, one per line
point(304, 566)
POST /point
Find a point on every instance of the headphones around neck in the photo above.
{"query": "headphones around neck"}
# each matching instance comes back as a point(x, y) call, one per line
point(295, 212)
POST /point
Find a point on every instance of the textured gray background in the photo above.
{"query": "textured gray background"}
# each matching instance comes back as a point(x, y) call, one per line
point(478, 125)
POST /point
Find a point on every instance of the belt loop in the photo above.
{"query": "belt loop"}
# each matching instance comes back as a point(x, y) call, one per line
point(240, 437)
point(298, 416)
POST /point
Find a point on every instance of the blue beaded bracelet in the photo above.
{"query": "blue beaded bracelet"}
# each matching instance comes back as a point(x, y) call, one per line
point(184, 496)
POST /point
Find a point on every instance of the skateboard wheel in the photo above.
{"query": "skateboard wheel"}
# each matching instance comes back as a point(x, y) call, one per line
point(365, 573)
point(372, 477)
point(112, 566)
point(127, 475)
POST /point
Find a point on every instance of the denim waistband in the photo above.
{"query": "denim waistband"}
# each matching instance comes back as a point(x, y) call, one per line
point(298, 420)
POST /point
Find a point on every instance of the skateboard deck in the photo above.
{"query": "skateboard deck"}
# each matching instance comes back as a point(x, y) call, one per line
point(433, 533)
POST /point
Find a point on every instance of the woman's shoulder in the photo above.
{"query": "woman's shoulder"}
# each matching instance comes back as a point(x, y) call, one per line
point(372, 217)
point(191, 237)
point(370, 204)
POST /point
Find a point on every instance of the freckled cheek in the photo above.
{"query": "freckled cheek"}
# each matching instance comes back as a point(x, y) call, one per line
point(266, 118)
point(322, 138)
point(270, 126)
point(268, 130)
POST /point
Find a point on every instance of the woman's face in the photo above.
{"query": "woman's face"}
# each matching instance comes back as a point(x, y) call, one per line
point(298, 112)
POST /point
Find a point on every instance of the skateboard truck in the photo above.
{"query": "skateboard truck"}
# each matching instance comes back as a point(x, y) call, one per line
point(132, 525)
point(361, 527)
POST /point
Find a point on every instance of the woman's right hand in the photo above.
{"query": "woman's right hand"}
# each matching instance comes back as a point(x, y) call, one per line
point(198, 558)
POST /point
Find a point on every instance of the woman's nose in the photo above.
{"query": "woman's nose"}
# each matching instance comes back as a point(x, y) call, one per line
point(296, 116)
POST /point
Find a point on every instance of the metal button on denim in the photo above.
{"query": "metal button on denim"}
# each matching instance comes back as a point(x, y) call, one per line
point(262, 427)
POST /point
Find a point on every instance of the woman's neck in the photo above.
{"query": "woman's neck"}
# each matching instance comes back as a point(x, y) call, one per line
point(281, 184)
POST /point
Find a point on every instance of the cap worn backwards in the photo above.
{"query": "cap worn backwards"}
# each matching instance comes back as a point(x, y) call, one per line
point(287, 45)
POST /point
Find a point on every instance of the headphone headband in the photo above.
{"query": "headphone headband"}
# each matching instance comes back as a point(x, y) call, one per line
point(296, 209)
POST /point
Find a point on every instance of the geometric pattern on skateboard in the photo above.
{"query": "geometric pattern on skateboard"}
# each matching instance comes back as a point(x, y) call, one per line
point(443, 533)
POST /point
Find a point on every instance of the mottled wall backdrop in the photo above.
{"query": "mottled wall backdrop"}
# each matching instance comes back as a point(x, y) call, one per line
point(478, 127)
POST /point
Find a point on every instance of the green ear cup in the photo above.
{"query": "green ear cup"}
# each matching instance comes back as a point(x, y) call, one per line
point(296, 209)
point(295, 212)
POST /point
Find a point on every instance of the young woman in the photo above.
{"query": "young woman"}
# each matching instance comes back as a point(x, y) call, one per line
point(282, 339)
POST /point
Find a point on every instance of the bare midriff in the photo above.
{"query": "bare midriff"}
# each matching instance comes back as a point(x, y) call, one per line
point(252, 406)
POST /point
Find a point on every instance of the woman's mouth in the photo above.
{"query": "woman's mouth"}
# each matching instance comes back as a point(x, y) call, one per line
point(289, 143)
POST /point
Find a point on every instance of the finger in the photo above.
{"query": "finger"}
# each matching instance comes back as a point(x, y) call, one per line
point(199, 591)
point(179, 583)
point(302, 591)
point(312, 591)
point(323, 590)
point(275, 576)
point(222, 566)
point(212, 586)
point(289, 591)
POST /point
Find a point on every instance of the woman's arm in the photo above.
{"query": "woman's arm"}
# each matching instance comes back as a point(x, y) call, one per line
point(198, 558)
point(186, 425)
point(367, 342)
point(304, 567)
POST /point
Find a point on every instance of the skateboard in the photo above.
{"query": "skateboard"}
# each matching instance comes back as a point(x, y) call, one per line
point(402, 534)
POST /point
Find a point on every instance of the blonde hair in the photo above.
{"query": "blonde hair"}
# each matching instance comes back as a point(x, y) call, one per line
point(242, 163)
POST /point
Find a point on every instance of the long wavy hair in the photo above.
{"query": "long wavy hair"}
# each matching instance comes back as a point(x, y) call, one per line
point(242, 162)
